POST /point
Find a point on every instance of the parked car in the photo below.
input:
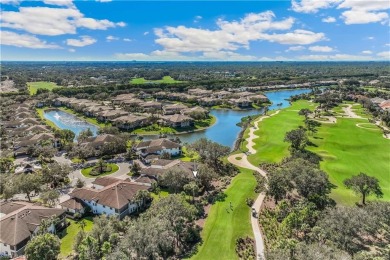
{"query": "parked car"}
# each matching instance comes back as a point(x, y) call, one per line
point(254, 213)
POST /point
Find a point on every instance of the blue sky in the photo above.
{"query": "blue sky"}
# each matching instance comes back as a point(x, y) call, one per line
point(195, 30)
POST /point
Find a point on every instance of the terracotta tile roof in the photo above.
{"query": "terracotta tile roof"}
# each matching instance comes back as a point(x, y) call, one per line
point(72, 203)
point(105, 181)
point(116, 195)
point(19, 224)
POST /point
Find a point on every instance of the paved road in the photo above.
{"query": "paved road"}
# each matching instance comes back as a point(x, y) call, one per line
point(241, 160)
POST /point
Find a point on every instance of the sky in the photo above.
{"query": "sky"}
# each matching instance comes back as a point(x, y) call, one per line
point(297, 30)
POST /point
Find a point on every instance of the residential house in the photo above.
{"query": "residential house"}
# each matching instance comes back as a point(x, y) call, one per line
point(73, 206)
point(258, 98)
point(385, 105)
point(209, 101)
point(242, 102)
point(96, 142)
point(157, 147)
point(20, 221)
point(129, 122)
point(120, 98)
point(200, 92)
point(197, 109)
point(151, 106)
point(159, 167)
point(173, 108)
point(108, 115)
point(177, 121)
point(222, 94)
point(113, 198)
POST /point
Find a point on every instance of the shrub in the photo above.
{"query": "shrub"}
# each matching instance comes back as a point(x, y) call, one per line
point(249, 202)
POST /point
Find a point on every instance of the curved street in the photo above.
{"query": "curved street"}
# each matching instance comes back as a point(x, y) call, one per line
point(241, 160)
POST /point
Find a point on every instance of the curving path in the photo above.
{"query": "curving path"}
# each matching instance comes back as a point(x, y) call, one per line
point(252, 135)
point(349, 112)
point(241, 160)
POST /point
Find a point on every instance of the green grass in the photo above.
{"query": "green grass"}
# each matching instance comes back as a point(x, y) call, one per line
point(187, 156)
point(345, 148)
point(348, 150)
point(222, 228)
point(34, 86)
point(71, 232)
point(86, 171)
point(270, 146)
point(165, 79)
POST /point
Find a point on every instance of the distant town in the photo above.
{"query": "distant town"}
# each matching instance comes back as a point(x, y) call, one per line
point(263, 161)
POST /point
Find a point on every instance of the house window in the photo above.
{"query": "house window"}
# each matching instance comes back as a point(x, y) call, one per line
point(5, 244)
point(104, 206)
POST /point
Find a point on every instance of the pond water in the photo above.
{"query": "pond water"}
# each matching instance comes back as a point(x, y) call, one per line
point(224, 131)
point(68, 121)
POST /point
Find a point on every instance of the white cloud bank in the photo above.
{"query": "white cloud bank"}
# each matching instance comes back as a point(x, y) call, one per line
point(24, 40)
point(83, 41)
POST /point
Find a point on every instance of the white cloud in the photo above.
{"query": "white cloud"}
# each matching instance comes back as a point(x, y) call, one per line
point(24, 40)
point(59, 2)
point(146, 33)
point(111, 38)
point(321, 49)
point(197, 18)
point(336, 57)
point(10, 2)
point(384, 54)
point(387, 44)
point(71, 50)
point(295, 48)
point(367, 52)
point(329, 19)
point(233, 35)
point(83, 41)
point(52, 21)
point(103, 1)
point(175, 56)
point(362, 12)
point(312, 6)
point(371, 38)
point(127, 39)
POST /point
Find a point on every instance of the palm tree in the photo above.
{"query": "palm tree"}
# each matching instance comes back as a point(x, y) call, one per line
point(141, 197)
point(101, 165)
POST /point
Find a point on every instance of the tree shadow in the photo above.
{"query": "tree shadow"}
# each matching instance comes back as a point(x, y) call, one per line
point(311, 144)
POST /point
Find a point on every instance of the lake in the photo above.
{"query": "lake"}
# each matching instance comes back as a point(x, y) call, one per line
point(68, 121)
point(224, 131)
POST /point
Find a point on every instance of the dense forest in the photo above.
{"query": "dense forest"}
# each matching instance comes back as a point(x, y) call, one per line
point(221, 74)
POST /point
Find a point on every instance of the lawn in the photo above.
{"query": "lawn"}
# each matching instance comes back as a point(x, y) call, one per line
point(34, 86)
point(187, 156)
point(345, 148)
point(86, 171)
point(165, 79)
point(222, 228)
point(70, 234)
point(348, 150)
point(270, 146)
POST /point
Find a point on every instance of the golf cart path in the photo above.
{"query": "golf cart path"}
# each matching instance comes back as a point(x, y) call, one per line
point(241, 160)
point(252, 135)
point(349, 112)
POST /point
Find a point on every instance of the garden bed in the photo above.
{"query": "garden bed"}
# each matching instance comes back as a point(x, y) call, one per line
point(93, 172)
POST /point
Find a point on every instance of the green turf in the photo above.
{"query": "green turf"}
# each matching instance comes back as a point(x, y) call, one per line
point(34, 86)
point(270, 146)
point(345, 148)
point(222, 228)
point(165, 79)
point(70, 234)
point(86, 171)
point(348, 150)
